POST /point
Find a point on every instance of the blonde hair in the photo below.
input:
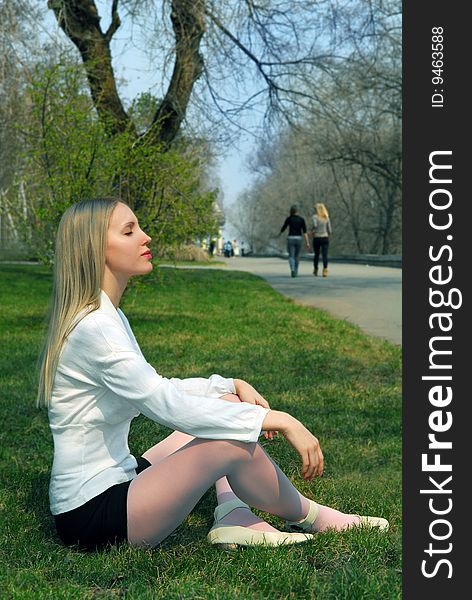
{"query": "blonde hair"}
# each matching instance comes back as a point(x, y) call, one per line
point(79, 267)
point(321, 210)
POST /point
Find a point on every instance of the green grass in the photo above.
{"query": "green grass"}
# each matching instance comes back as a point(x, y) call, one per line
point(343, 384)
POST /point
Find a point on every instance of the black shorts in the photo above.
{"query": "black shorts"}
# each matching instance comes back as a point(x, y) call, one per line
point(100, 521)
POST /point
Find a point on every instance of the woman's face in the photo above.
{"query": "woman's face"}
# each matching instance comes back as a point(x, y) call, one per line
point(127, 253)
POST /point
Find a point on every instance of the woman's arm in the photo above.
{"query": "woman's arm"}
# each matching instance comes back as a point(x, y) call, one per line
point(304, 442)
point(123, 374)
point(214, 386)
point(247, 393)
point(305, 235)
point(126, 376)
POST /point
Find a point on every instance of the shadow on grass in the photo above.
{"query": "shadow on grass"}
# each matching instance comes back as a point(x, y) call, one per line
point(37, 505)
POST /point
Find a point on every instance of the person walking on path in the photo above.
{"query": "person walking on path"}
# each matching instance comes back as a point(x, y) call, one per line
point(228, 249)
point(321, 231)
point(296, 232)
point(94, 380)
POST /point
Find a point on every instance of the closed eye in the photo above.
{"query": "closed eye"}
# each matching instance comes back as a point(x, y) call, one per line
point(129, 233)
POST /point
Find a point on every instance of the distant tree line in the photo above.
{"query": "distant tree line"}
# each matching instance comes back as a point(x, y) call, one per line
point(342, 147)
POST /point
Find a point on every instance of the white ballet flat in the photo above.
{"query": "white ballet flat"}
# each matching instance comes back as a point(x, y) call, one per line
point(306, 524)
point(232, 536)
point(379, 522)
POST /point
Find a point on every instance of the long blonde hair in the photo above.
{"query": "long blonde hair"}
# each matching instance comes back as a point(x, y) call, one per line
point(79, 267)
point(321, 210)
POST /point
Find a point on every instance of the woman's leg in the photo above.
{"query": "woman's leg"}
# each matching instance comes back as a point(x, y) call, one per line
point(291, 254)
point(243, 517)
point(240, 516)
point(298, 248)
point(324, 249)
point(167, 446)
point(160, 497)
point(316, 250)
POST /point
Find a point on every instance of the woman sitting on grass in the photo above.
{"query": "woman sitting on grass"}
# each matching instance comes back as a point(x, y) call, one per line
point(95, 380)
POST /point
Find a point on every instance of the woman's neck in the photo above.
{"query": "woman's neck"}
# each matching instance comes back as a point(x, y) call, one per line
point(113, 285)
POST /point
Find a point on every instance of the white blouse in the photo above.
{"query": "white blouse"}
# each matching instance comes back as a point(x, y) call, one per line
point(102, 382)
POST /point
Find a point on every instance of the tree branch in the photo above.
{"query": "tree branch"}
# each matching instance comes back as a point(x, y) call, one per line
point(115, 22)
point(241, 46)
point(80, 21)
point(188, 22)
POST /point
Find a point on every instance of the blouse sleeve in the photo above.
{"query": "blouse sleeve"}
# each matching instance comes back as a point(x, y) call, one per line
point(213, 387)
point(131, 379)
point(328, 226)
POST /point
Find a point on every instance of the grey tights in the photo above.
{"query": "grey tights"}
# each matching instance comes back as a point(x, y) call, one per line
point(160, 497)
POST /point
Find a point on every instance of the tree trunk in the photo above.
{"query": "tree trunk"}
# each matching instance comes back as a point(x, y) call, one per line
point(188, 22)
point(80, 21)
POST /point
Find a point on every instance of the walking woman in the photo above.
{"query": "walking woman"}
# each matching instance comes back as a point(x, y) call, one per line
point(296, 232)
point(321, 231)
point(94, 380)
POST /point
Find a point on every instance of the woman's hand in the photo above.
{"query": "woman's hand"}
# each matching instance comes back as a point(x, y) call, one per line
point(247, 393)
point(304, 442)
point(308, 446)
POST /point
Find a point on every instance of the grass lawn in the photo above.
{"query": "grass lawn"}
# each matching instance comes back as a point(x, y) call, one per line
point(344, 385)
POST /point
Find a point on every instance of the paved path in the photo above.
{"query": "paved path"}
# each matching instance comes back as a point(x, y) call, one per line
point(370, 297)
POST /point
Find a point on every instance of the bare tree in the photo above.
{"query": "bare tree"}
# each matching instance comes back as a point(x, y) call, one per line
point(18, 41)
point(240, 57)
point(248, 221)
point(343, 146)
point(358, 132)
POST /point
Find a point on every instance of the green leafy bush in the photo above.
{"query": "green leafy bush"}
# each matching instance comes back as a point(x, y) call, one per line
point(68, 155)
